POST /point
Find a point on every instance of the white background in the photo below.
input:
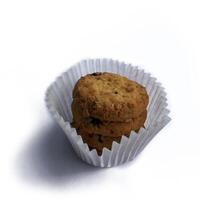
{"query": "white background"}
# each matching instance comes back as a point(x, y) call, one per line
point(40, 39)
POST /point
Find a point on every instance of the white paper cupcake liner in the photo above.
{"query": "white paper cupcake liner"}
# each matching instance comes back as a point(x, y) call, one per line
point(59, 99)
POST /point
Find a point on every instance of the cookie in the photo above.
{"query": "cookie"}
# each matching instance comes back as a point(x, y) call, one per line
point(97, 141)
point(109, 97)
point(106, 128)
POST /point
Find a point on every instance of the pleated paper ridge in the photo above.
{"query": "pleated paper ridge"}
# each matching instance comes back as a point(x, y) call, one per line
point(59, 98)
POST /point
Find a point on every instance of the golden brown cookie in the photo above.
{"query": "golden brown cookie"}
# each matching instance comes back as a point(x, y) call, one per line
point(106, 128)
point(109, 97)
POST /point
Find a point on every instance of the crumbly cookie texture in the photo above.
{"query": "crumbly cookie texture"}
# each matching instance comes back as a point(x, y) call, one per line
point(106, 128)
point(98, 142)
point(107, 106)
point(110, 97)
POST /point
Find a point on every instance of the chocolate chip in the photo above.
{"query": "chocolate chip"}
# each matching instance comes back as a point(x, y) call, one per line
point(95, 121)
point(96, 74)
point(99, 139)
